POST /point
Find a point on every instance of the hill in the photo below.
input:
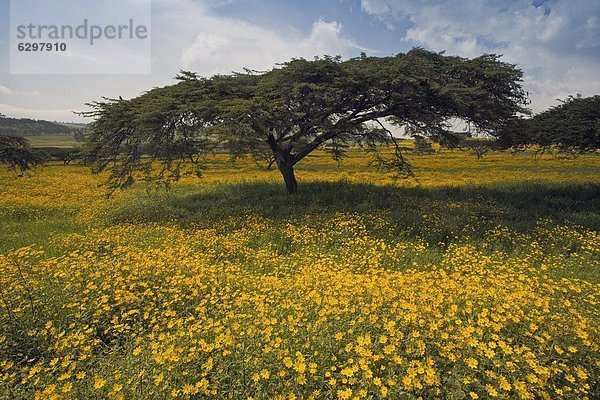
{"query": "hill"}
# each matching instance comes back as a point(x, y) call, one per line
point(31, 127)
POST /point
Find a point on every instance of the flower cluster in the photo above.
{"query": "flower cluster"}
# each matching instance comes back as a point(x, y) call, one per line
point(155, 311)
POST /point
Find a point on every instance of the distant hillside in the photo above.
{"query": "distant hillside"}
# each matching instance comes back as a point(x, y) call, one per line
point(76, 125)
point(32, 127)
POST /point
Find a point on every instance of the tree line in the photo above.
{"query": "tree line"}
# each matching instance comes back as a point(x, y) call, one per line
point(31, 127)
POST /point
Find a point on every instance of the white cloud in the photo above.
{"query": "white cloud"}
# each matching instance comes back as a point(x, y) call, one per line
point(5, 90)
point(210, 43)
point(557, 43)
point(233, 46)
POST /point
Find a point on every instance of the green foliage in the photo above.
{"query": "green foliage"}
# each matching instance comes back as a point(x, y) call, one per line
point(298, 107)
point(422, 145)
point(337, 147)
point(17, 154)
point(573, 125)
point(78, 136)
point(164, 126)
point(479, 146)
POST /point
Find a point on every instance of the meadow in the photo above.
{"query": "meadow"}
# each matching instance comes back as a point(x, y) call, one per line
point(478, 279)
point(59, 141)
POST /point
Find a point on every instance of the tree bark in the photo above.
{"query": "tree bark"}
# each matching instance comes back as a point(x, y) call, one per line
point(287, 171)
point(285, 163)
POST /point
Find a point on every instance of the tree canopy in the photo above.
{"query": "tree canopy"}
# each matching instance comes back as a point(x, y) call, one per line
point(16, 153)
point(572, 125)
point(297, 107)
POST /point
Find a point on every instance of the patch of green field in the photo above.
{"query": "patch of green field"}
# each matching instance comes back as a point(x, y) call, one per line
point(439, 216)
point(36, 227)
point(62, 141)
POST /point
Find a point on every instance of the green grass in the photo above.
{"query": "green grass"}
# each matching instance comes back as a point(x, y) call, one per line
point(37, 227)
point(517, 205)
point(440, 216)
point(62, 141)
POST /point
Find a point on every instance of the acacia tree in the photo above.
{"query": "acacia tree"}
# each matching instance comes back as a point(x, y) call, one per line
point(480, 146)
point(572, 126)
point(16, 152)
point(299, 106)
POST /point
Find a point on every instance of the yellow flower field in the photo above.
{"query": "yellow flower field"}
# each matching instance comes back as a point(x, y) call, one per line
point(360, 287)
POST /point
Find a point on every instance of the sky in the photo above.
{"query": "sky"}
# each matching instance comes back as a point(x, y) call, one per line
point(555, 42)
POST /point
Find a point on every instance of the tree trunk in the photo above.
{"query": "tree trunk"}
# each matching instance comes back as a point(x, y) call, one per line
point(285, 162)
point(287, 171)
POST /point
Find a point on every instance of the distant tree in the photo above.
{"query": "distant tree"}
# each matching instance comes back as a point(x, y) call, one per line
point(66, 155)
point(450, 140)
point(422, 145)
point(16, 153)
point(78, 136)
point(298, 107)
point(572, 126)
point(479, 146)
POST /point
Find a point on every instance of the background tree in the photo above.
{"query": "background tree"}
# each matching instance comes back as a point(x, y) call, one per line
point(298, 107)
point(66, 155)
point(16, 153)
point(573, 125)
point(480, 146)
point(422, 145)
point(78, 136)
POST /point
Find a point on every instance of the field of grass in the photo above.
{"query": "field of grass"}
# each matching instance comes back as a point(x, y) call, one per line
point(479, 279)
point(61, 141)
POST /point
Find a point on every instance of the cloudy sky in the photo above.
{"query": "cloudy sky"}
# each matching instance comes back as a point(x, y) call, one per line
point(555, 42)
